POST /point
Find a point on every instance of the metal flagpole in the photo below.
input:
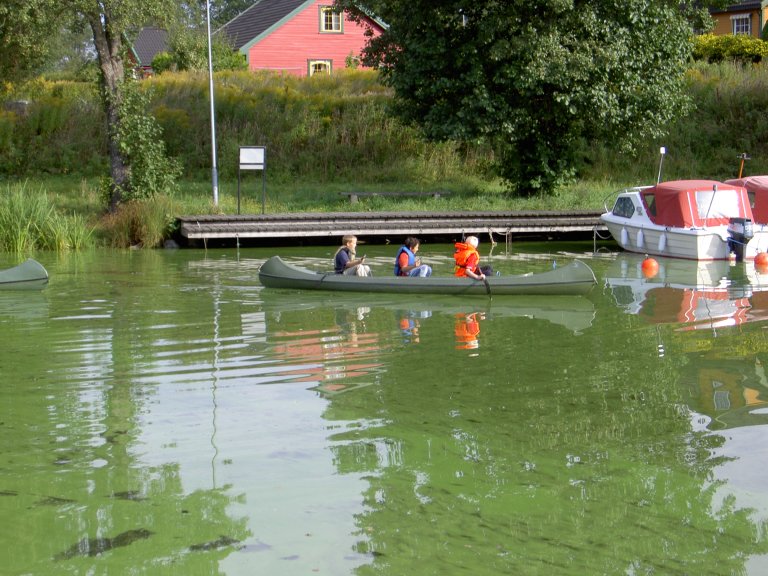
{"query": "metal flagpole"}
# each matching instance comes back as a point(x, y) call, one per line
point(214, 172)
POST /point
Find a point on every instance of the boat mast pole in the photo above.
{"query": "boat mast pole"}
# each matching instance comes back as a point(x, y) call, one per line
point(662, 151)
point(743, 156)
point(714, 191)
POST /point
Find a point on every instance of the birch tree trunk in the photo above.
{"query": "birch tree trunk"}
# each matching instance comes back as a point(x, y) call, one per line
point(109, 48)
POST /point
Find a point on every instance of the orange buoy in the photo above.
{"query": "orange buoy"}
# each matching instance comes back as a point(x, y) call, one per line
point(761, 261)
point(650, 267)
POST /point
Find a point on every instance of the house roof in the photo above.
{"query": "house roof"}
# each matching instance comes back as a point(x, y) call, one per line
point(148, 43)
point(259, 19)
point(738, 7)
point(262, 17)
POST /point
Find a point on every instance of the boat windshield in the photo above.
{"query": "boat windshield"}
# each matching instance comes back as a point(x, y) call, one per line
point(719, 204)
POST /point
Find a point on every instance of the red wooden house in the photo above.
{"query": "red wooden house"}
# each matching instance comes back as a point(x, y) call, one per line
point(301, 37)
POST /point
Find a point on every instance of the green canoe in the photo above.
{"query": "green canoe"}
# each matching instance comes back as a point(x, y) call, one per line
point(27, 275)
point(575, 278)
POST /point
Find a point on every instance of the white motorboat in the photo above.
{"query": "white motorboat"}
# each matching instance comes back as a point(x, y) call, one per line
point(691, 219)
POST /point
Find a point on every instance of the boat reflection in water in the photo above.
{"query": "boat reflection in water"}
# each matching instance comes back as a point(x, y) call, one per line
point(723, 375)
point(343, 341)
point(695, 294)
point(328, 345)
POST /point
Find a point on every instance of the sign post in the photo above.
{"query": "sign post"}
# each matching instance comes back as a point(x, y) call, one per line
point(253, 158)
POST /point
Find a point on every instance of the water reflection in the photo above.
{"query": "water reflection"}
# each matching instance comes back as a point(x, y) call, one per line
point(708, 319)
point(467, 330)
point(727, 393)
point(410, 324)
point(23, 306)
point(698, 295)
point(165, 413)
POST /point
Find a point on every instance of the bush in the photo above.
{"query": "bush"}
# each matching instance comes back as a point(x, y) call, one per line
point(162, 62)
point(140, 223)
point(140, 138)
point(739, 48)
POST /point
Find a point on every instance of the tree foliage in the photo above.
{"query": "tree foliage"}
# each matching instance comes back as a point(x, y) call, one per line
point(534, 80)
point(140, 139)
point(25, 36)
point(222, 11)
point(188, 50)
point(131, 134)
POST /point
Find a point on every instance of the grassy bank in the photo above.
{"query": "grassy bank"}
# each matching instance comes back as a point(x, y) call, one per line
point(332, 134)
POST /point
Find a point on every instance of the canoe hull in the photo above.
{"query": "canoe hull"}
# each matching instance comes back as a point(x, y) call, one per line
point(575, 278)
point(29, 275)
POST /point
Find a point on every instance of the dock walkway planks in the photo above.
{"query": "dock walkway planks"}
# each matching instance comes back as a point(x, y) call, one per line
point(335, 224)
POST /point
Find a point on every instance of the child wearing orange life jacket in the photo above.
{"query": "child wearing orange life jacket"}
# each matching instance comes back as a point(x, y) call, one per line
point(468, 260)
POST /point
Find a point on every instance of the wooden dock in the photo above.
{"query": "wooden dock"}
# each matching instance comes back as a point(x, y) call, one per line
point(333, 225)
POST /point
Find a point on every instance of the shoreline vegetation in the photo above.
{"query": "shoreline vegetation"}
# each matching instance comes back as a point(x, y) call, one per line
point(323, 136)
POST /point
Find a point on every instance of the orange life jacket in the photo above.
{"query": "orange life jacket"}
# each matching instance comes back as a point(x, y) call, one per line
point(461, 256)
point(467, 330)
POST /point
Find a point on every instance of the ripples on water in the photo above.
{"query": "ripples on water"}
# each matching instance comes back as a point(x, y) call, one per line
point(162, 411)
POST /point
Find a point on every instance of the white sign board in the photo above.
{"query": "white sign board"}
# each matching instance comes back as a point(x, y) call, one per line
point(252, 157)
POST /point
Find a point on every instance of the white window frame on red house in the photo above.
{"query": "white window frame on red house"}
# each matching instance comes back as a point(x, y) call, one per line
point(331, 20)
point(319, 66)
point(741, 24)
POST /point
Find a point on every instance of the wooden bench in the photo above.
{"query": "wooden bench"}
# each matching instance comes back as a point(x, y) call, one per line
point(355, 196)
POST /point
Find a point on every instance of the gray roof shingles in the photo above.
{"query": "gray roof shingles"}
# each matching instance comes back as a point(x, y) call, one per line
point(257, 19)
point(148, 43)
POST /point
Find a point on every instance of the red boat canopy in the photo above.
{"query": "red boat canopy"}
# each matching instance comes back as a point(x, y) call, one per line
point(695, 203)
point(757, 189)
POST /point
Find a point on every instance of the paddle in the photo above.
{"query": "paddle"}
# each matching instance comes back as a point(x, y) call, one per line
point(487, 287)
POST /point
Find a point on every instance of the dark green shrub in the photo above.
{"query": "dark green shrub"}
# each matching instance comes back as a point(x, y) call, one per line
point(162, 62)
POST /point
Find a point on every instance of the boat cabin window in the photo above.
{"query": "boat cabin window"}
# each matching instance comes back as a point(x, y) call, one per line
point(650, 202)
point(720, 204)
point(624, 207)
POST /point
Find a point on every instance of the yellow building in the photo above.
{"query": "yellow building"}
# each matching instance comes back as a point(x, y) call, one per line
point(743, 18)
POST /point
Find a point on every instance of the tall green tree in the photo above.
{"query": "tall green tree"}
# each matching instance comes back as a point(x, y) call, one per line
point(536, 80)
point(188, 50)
point(24, 25)
point(25, 35)
point(111, 22)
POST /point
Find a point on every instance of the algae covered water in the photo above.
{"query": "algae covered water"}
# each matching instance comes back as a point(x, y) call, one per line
point(163, 413)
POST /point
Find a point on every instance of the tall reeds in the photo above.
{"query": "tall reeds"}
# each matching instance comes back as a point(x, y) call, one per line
point(29, 222)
